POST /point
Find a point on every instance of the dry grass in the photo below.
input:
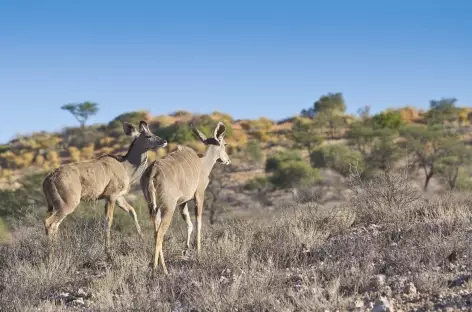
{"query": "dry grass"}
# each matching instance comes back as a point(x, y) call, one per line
point(304, 258)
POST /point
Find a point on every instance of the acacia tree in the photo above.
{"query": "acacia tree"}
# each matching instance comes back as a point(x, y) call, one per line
point(428, 144)
point(331, 108)
point(456, 155)
point(82, 111)
point(304, 134)
point(442, 110)
point(361, 137)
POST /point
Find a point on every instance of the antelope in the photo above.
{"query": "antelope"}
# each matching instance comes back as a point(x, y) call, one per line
point(107, 177)
point(174, 180)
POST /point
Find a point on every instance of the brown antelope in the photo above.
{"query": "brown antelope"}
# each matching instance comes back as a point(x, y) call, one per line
point(176, 179)
point(106, 177)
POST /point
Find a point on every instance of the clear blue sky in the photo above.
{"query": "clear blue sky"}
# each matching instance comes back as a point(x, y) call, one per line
point(247, 58)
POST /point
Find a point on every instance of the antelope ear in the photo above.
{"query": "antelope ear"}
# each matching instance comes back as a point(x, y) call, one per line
point(143, 126)
point(220, 131)
point(130, 130)
point(198, 133)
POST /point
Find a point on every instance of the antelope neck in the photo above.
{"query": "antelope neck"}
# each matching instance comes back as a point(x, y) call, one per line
point(135, 161)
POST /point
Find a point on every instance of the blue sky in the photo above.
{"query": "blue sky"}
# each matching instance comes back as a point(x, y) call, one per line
point(246, 58)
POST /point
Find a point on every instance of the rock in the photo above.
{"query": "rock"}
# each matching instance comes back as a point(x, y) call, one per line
point(382, 304)
point(81, 293)
point(377, 281)
point(410, 289)
point(357, 305)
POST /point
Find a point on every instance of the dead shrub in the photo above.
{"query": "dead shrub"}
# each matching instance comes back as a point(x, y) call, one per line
point(386, 197)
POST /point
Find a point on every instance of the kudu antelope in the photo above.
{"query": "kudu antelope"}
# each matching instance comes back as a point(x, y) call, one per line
point(176, 179)
point(106, 177)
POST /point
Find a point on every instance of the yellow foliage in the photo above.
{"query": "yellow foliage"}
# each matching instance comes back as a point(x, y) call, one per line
point(161, 152)
point(260, 135)
point(164, 120)
point(257, 124)
point(28, 158)
point(16, 161)
point(463, 116)
point(74, 153)
point(47, 141)
point(239, 136)
point(53, 159)
point(105, 150)
point(106, 141)
point(408, 114)
point(39, 160)
point(171, 147)
point(88, 152)
point(6, 173)
point(152, 156)
point(219, 116)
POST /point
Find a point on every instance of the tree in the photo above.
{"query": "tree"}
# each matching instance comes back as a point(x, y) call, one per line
point(309, 113)
point(293, 174)
point(364, 112)
point(289, 170)
point(82, 111)
point(338, 157)
point(388, 119)
point(442, 110)
point(331, 107)
point(274, 162)
point(304, 134)
point(384, 151)
point(456, 155)
point(361, 137)
point(428, 144)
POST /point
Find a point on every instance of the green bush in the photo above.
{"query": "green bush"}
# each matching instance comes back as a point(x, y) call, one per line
point(256, 183)
point(207, 125)
point(176, 133)
point(132, 117)
point(274, 162)
point(388, 119)
point(294, 173)
point(338, 157)
point(15, 204)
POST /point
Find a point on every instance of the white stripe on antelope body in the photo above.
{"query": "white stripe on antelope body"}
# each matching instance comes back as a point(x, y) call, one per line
point(178, 178)
point(106, 177)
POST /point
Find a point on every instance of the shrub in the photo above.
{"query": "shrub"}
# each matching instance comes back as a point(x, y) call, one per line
point(28, 158)
point(256, 183)
point(274, 162)
point(338, 157)
point(387, 197)
point(39, 160)
point(74, 153)
point(88, 152)
point(17, 203)
point(177, 133)
point(388, 119)
point(53, 159)
point(132, 117)
point(294, 173)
